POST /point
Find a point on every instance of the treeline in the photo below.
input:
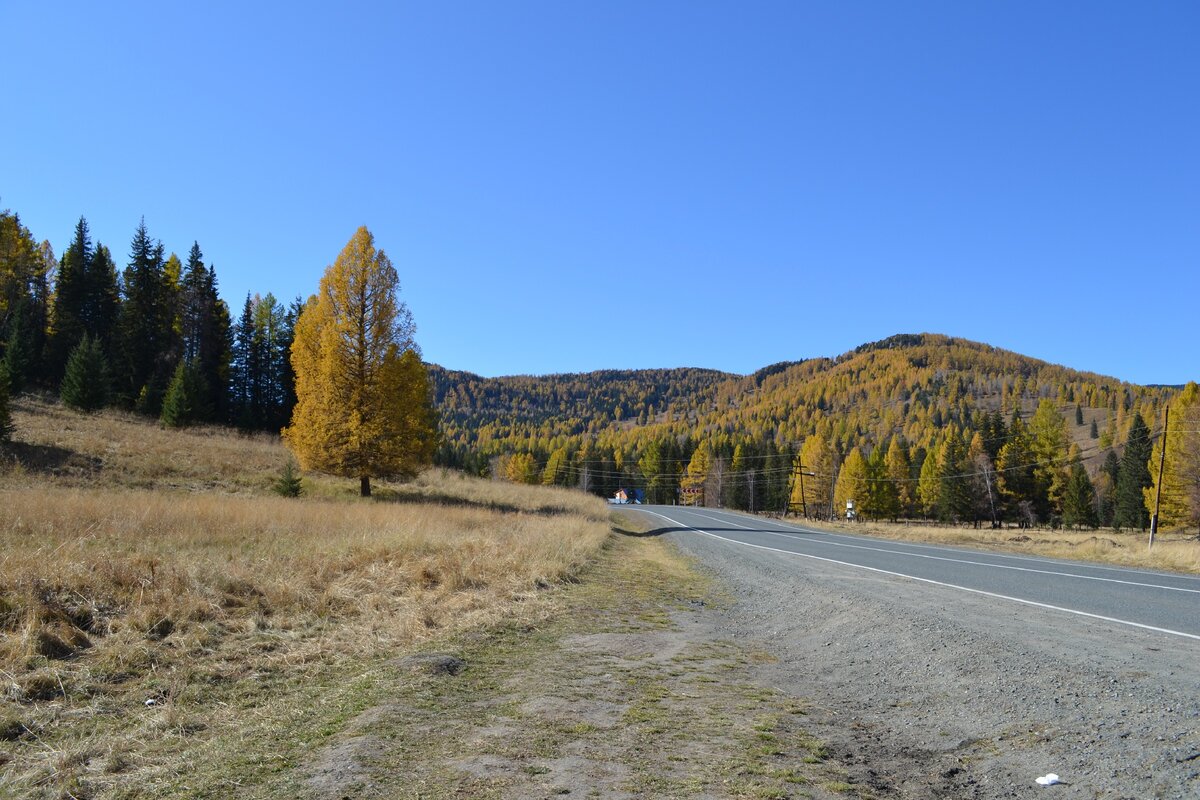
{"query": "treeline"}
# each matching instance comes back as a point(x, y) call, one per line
point(916, 426)
point(153, 336)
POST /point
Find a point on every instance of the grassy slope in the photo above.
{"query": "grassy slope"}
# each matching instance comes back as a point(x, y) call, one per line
point(138, 564)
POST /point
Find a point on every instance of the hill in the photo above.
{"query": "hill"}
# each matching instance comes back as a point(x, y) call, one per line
point(921, 389)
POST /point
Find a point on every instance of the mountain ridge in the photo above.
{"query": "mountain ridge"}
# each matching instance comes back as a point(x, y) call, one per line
point(914, 385)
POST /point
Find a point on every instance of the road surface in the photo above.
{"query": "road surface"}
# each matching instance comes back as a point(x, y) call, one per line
point(946, 671)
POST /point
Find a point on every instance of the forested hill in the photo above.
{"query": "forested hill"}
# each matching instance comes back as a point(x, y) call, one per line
point(493, 415)
point(912, 384)
point(919, 390)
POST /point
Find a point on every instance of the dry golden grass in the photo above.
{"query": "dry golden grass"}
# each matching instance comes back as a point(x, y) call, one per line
point(1172, 551)
point(115, 449)
point(144, 564)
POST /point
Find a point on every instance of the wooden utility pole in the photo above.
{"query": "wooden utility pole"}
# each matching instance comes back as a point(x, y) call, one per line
point(1162, 457)
point(803, 501)
point(797, 469)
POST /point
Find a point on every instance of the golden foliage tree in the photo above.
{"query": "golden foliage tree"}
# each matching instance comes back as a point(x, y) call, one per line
point(816, 457)
point(1180, 496)
point(852, 483)
point(697, 476)
point(363, 407)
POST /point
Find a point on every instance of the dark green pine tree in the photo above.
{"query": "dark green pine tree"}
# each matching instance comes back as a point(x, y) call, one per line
point(205, 329)
point(86, 300)
point(185, 402)
point(70, 291)
point(290, 482)
point(146, 326)
point(955, 501)
point(287, 377)
point(1094, 433)
point(995, 433)
point(1079, 500)
point(24, 265)
point(85, 384)
point(1133, 477)
point(102, 308)
point(1078, 414)
point(246, 372)
point(1110, 470)
point(20, 345)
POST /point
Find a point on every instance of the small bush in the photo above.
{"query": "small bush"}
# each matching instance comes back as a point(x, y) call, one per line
point(290, 483)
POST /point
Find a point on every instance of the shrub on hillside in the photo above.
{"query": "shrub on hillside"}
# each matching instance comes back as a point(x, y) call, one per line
point(290, 483)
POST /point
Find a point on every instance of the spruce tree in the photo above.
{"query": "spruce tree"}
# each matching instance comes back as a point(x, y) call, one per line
point(146, 326)
point(1079, 500)
point(290, 483)
point(85, 384)
point(1106, 488)
point(1133, 477)
point(185, 402)
point(19, 343)
point(86, 300)
point(954, 500)
point(70, 291)
point(102, 307)
point(243, 369)
point(1078, 414)
point(205, 330)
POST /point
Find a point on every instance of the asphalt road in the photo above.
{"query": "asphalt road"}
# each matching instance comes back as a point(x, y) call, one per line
point(947, 672)
point(1165, 603)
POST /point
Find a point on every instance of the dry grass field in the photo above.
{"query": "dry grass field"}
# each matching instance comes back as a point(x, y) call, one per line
point(155, 595)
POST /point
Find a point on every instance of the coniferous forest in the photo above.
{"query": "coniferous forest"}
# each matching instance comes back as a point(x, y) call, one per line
point(152, 336)
point(915, 426)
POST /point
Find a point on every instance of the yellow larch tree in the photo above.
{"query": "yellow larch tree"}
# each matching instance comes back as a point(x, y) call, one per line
point(363, 407)
point(1179, 499)
point(817, 461)
point(852, 484)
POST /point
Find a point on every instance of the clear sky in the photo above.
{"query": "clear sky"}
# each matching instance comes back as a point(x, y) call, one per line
point(569, 185)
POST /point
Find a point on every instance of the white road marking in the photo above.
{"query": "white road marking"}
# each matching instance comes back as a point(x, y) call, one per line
point(826, 540)
point(935, 583)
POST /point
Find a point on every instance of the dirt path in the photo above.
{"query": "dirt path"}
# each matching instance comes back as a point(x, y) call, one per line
point(633, 689)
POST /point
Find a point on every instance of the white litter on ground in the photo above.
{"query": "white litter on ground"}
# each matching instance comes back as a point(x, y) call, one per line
point(1048, 780)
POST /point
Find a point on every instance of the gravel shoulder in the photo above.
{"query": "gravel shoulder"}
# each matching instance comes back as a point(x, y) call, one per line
point(630, 688)
point(935, 693)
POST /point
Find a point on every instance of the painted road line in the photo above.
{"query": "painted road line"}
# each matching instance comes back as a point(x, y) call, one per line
point(1009, 598)
point(901, 552)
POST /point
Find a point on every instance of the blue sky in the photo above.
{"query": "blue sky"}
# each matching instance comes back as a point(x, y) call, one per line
point(568, 186)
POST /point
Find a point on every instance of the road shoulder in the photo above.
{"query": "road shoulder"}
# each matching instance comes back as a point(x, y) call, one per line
point(630, 689)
